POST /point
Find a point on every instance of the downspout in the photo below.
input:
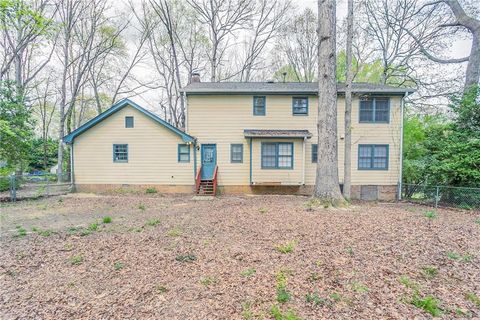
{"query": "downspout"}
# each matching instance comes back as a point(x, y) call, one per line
point(186, 111)
point(195, 162)
point(304, 162)
point(72, 169)
point(251, 161)
point(400, 182)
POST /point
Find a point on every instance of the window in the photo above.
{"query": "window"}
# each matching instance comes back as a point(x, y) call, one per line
point(259, 106)
point(128, 122)
point(277, 155)
point(375, 110)
point(236, 153)
point(314, 153)
point(120, 153)
point(183, 153)
point(300, 106)
point(373, 157)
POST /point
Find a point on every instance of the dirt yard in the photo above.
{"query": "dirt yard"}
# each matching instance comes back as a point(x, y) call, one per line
point(258, 257)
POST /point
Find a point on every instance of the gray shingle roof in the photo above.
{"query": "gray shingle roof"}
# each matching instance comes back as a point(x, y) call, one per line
point(310, 88)
point(276, 133)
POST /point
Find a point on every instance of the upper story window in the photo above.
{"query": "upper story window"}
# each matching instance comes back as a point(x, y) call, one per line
point(236, 153)
point(373, 157)
point(314, 153)
point(259, 106)
point(375, 110)
point(300, 106)
point(277, 155)
point(128, 122)
point(183, 153)
point(120, 153)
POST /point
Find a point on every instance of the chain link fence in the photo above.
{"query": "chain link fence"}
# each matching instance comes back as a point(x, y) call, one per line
point(459, 197)
point(31, 186)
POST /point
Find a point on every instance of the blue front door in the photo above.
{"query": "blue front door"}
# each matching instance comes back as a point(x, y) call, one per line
point(209, 160)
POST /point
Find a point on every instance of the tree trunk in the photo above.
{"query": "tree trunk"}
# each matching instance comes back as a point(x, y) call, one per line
point(347, 173)
point(473, 67)
point(327, 187)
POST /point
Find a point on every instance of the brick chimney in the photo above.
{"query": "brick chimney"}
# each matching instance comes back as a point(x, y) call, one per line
point(195, 77)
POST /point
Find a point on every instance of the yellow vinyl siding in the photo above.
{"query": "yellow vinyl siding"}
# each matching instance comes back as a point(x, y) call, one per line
point(221, 119)
point(152, 153)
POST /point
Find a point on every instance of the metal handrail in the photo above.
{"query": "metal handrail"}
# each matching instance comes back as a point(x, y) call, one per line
point(215, 181)
point(198, 179)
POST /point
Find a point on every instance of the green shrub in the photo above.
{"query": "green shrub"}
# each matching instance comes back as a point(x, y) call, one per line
point(118, 265)
point(429, 272)
point(151, 190)
point(472, 297)
point(277, 314)
point(152, 222)
point(315, 299)
point(21, 232)
point(107, 219)
point(430, 214)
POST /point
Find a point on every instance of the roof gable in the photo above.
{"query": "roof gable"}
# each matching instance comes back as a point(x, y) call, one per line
point(118, 106)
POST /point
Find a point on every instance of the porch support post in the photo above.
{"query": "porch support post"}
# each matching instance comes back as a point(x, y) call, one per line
point(251, 161)
point(304, 160)
point(194, 162)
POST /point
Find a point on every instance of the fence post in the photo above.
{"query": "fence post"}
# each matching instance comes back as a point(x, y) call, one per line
point(13, 188)
point(436, 197)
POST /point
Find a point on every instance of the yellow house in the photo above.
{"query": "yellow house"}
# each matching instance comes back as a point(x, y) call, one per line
point(242, 138)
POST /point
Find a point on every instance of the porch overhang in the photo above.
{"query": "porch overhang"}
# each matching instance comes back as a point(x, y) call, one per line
point(276, 133)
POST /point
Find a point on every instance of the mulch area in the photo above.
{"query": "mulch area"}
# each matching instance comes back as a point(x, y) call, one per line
point(168, 257)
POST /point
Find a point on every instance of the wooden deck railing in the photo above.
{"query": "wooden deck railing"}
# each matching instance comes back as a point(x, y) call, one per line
point(215, 181)
point(198, 179)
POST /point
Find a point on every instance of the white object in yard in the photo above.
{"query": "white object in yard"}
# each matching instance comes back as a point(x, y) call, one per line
point(54, 169)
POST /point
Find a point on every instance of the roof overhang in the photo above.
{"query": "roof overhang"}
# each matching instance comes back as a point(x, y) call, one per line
point(118, 106)
point(276, 133)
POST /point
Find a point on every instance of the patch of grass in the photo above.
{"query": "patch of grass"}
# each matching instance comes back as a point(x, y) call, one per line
point(76, 260)
point(141, 206)
point(207, 281)
point(429, 272)
point(43, 233)
point(277, 314)
point(93, 226)
point(315, 299)
point(161, 288)
point(428, 304)
point(68, 247)
point(118, 265)
point(430, 214)
point(248, 272)
point(136, 229)
point(73, 230)
point(453, 255)
point(313, 277)
point(282, 294)
point(472, 297)
point(247, 313)
point(350, 251)
point(107, 219)
point(175, 232)
point(263, 210)
point(186, 258)
point(287, 247)
point(335, 296)
point(21, 232)
point(407, 282)
point(152, 222)
point(359, 288)
point(477, 221)
point(468, 257)
point(151, 190)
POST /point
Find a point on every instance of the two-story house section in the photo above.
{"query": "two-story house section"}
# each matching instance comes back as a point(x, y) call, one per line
point(240, 138)
point(262, 137)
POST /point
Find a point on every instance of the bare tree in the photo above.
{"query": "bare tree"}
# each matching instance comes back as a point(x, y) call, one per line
point(347, 175)
point(327, 187)
point(299, 44)
point(223, 18)
point(268, 19)
point(81, 42)
point(459, 19)
point(23, 26)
